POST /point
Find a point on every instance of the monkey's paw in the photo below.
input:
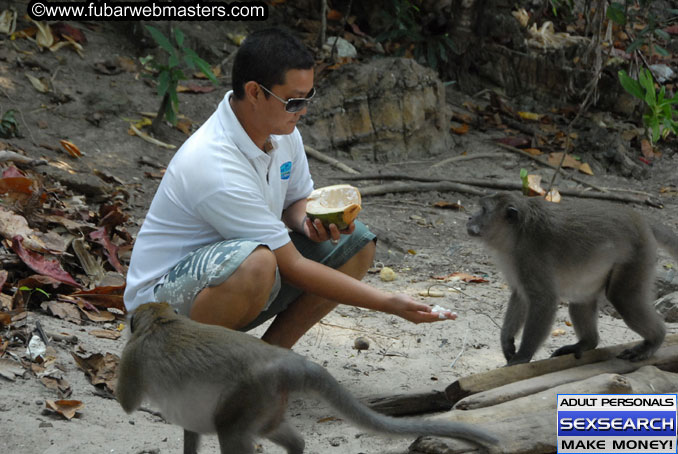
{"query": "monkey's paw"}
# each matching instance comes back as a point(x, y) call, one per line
point(567, 349)
point(517, 360)
point(508, 346)
point(638, 353)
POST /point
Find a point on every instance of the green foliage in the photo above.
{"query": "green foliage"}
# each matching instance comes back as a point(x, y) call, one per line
point(8, 125)
point(560, 4)
point(168, 75)
point(659, 119)
point(525, 182)
point(622, 14)
point(404, 25)
point(24, 288)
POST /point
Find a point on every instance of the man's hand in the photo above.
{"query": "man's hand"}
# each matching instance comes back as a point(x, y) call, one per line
point(316, 231)
point(407, 308)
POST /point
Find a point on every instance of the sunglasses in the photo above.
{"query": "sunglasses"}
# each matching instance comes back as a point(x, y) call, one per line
point(292, 105)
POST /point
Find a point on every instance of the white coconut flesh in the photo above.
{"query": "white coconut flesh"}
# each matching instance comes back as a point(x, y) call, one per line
point(341, 198)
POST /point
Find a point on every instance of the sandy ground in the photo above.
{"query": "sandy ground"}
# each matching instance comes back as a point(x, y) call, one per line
point(415, 239)
point(402, 357)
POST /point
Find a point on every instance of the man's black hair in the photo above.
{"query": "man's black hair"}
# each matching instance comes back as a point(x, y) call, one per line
point(265, 57)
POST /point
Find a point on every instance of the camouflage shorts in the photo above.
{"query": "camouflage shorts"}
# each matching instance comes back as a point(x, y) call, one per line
point(211, 265)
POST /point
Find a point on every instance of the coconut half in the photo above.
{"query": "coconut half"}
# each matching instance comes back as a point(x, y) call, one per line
point(338, 204)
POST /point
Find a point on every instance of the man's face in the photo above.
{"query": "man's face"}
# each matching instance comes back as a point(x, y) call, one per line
point(298, 84)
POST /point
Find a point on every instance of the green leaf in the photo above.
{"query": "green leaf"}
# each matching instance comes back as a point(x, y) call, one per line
point(667, 112)
point(206, 70)
point(42, 291)
point(635, 45)
point(190, 52)
point(655, 132)
point(160, 38)
point(145, 60)
point(630, 85)
point(441, 51)
point(177, 75)
point(523, 179)
point(175, 100)
point(8, 125)
point(661, 51)
point(23, 288)
point(645, 79)
point(179, 37)
point(173, 61)
point(662, 34)
point(189, 62)
point(615, 12)
point(170, 113)
point(163, 83)
point(450, 43)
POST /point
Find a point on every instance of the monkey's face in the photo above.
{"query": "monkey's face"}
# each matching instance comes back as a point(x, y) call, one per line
point(493, 221)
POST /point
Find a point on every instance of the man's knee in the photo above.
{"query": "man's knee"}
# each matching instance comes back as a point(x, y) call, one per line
point(358, 265)
point(238, 300)
point(257, 273)
point(366, 254)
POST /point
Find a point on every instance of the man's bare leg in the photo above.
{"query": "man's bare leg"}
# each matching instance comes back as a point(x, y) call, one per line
point(240, 298)
point(307, 310)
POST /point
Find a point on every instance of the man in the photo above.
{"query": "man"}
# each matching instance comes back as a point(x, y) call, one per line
point(216, 242)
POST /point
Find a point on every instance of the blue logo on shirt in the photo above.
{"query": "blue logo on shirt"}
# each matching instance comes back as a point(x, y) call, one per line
point(285, 170)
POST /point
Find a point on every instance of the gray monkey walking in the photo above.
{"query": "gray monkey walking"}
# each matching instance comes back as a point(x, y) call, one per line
point(577, 251)
point(211, 379)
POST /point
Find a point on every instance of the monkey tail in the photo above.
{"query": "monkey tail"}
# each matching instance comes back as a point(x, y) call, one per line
point(666, 238)
point(319, 380)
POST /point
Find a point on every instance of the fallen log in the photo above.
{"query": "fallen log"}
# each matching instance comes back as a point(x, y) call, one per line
point(419, 187)
point(312, 152)
point(666, 359)
point(642, 199)
point(527, 425)
point(408, 404)
point(485, 381)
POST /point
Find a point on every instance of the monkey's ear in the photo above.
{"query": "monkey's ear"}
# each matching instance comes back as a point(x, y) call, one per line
point(511, 213)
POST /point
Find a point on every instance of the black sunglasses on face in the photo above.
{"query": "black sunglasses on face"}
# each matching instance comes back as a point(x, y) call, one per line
point(292, 105)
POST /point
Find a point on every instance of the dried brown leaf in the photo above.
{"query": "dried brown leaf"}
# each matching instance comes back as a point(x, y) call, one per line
point(42, 265)
point(517, 142)
point(101, 236)
point(465, 277)
point(647, 149)
point(65, 311)
point(449, 205)
point(71, 148)
point(105, 334)
point(585, 168)
point(12, 225)
point(195, 88)
point(460, 130)
point(569, 162)
point(57, 384)
point(41, 85)
point(100, 369)
point(66, 408)
point(11, 369)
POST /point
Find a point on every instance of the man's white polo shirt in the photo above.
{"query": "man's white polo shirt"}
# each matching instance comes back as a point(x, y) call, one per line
point(218, 186)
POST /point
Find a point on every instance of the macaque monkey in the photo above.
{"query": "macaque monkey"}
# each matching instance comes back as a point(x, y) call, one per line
point(211, 379)
point(575, 251)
